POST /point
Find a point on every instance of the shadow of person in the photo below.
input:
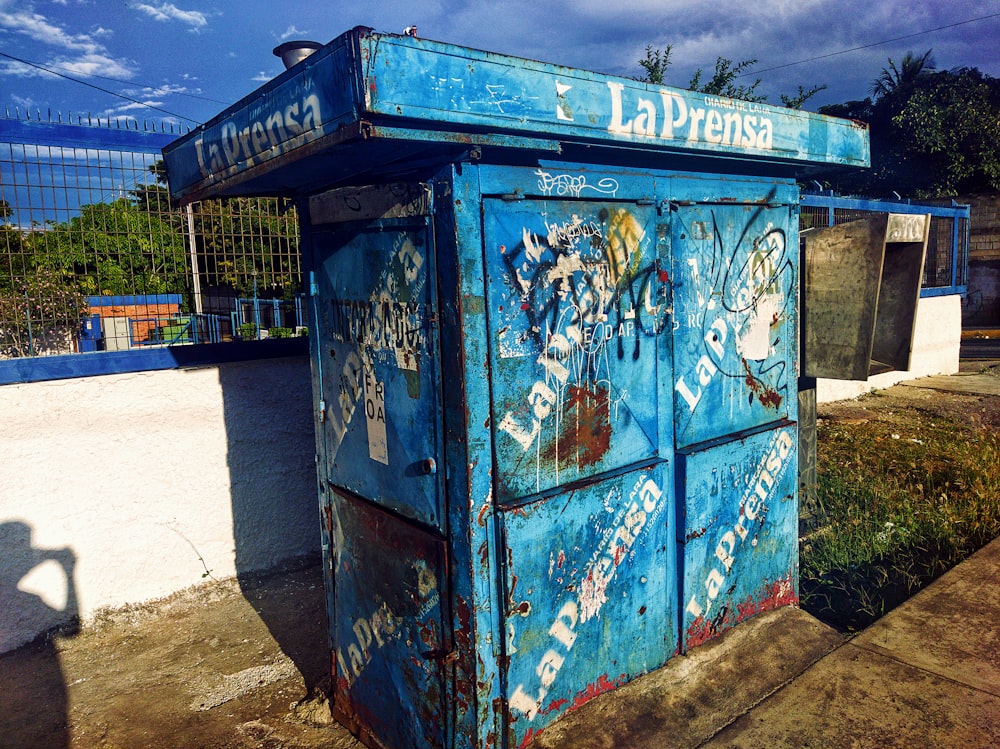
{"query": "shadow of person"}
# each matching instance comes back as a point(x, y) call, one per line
point(33, 698)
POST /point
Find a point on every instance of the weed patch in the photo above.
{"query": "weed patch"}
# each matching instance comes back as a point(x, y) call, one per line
point(903, 496)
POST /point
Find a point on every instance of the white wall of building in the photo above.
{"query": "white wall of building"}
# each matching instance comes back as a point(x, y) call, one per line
point(126, 488)
point(936, 343)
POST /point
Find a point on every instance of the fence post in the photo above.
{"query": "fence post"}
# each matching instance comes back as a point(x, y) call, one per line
point(193, 247)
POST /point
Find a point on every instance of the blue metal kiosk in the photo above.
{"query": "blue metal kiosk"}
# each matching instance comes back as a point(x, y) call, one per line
point(554, 347)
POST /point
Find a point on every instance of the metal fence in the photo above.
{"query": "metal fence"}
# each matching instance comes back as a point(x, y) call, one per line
point(93, 255)
point(946, 264)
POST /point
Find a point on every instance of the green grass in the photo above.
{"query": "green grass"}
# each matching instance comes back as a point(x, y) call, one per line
point(903, 500)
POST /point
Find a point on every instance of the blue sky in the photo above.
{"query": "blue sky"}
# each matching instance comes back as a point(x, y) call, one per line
point(185, 61)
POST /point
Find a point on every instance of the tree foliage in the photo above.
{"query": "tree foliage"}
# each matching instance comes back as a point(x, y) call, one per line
point(117, 248)
point(933, 133)
point(243, 243)
point(902, 80)
point(655, 63)
point(134, 245)
point(724, 80)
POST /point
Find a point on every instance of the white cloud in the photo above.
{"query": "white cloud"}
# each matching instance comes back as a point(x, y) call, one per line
point(39, 28)
point(262, 77)
point(293, 33)
point(170, 12)
point(22, 101)
point(80, 54)
point(165, 90)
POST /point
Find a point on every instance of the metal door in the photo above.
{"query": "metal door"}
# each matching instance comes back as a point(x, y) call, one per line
point(735, 342)
point(590, 593)
point(379, 348)
point(380, 432)
point(576, 298)
point(390, 632)
point(738, 531)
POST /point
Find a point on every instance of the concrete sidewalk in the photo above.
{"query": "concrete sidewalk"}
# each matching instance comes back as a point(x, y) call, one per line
point(927, 675)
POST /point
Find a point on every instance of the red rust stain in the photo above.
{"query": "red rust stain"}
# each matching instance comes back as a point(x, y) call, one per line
point(530, 736)
point(619, 553)
point(585, 432)
point(599, 687)
point(482, 513)
point(771, 596)
point(561, 560)
point(484, 554)
point(699, 533)
point(700, 632)
point(768, 397)
point(663, 276)
point(556, 705)
point(780, 593)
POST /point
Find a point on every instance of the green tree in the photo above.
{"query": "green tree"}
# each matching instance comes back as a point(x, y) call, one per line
point(933, 134)
point(117, 248)
point(655, 63)
point(903, 79)
point(243, 242)
point(40, 306)
point(949, 130)
point(723, 81)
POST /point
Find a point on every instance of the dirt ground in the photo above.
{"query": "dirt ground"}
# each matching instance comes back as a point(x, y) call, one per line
point(921, 399)
point(229, 665)
point(241, 664)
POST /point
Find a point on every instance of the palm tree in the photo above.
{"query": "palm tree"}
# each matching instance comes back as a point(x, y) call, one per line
point(903, 78)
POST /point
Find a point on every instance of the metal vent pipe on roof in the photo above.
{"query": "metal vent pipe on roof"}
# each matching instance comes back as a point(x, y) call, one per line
point(293, 52)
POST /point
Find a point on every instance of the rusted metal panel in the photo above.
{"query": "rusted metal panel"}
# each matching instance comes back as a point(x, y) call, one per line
point(380, 406)
point(390, 631)
point(842, 268)
point(860, 293)
point(576, 307)
point(738, 532)
point(898, 295)
point(564, 577)
point(589, 603)
point(445, 92)
point(735, 299)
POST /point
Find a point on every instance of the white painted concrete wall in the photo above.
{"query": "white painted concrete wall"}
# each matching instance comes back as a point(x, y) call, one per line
point(937, 339)
point(131, 487)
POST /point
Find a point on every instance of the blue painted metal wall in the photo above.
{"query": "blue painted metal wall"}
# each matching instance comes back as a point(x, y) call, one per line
point(524, 499)
point(364, 86)
point(556, 404)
